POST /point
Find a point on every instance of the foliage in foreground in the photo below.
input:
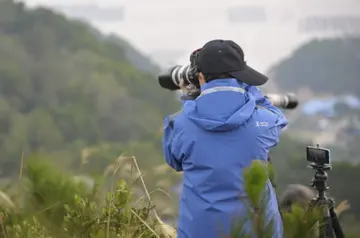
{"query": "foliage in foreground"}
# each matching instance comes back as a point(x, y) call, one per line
point(52, 204)
point(301, 222)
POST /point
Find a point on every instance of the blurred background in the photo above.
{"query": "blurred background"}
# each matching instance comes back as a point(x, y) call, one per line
point(78, 81)
point(168, 30)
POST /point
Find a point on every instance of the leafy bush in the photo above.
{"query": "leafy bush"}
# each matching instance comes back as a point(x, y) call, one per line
point(51, 204)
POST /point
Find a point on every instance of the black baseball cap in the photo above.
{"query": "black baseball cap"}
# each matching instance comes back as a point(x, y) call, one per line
point(225, 56)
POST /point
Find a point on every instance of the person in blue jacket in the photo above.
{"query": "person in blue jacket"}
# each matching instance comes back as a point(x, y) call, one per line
point(215, 136)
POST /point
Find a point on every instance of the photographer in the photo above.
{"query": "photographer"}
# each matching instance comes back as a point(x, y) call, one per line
point(216, 136)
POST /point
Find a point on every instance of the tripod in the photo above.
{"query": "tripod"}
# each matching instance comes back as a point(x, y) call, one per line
point(330, 226)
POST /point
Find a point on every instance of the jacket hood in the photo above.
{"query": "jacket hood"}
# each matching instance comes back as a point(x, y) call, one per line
point(222, 106)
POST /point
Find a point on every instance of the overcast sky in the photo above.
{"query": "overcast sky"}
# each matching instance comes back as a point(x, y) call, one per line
point(155, 26)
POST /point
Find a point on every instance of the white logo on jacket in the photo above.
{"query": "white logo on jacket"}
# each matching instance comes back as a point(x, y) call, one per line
point(261, 124)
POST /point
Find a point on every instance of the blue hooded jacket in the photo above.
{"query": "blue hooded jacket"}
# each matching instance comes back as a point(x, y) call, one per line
point(212, 140)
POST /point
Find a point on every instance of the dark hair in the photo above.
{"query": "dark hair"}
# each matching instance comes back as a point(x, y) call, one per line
point(210, 77)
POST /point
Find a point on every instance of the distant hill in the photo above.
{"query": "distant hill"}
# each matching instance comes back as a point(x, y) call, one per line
point(63, 88)
point(139, 60)
point(135, 56)
point(325, 66)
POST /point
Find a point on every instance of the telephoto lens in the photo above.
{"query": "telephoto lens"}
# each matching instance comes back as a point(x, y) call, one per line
point(170, 79)
point(288, 101)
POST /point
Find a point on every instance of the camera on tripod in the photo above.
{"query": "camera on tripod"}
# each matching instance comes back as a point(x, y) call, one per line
point(318, 157)
point(320, 161)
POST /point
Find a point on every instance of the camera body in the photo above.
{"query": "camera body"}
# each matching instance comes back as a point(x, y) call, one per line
point(317, 155)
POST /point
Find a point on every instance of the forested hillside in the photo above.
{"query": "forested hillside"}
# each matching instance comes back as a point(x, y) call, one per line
point(325, 66)
point(63, 89)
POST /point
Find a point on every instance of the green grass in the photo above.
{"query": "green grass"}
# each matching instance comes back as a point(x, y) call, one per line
point(48, 203)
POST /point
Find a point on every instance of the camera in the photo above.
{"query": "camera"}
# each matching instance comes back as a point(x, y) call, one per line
point(317, 155)
point(171, 78)
point(287, 101)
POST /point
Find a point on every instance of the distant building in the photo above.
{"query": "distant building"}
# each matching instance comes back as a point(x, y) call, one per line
point(327, 120)
point(326, 107)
